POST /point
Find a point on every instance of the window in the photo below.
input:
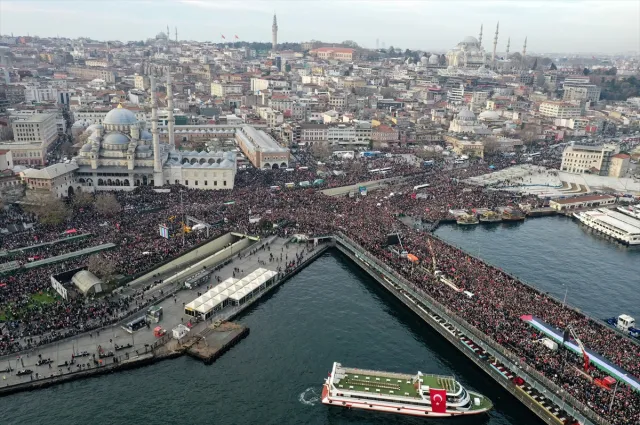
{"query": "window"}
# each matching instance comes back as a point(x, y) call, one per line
point(224, 183)
point(196, 182)
point(206, 183)
point(186, 182)
point(215, 182)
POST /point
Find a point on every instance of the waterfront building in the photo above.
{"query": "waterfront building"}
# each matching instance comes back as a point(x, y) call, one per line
point(593, 159)
point(619, 165)
point(585, 201)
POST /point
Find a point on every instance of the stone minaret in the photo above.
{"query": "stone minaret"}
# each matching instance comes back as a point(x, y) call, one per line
point(170, 124)
point(495, 45)
point(274, 34)
point(157, 164)
point(508, 44)
point(480, 37)
point(524, 52)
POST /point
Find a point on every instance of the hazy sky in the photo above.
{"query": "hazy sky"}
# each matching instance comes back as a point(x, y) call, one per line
point(551, 25)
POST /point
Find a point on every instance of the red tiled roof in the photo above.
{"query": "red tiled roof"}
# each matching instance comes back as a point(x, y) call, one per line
point(333, 49)
point(622, 156)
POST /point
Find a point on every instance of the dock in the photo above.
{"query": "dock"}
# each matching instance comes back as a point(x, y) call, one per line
point(215, 340)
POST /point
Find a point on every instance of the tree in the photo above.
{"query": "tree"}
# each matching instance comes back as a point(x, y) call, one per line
point(82, 199)
point(391, 51)
point(321, 151)
point(107, 204)
point(553, 67)
point(49, 209)
point(101, 266)
point(586, 71)
point(535, 64)
point(611, 71)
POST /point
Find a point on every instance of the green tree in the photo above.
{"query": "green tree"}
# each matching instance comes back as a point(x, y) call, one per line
point(586, 71)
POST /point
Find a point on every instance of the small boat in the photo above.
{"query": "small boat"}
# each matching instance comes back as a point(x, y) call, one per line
point(625, 324)
point(512, 214)
point(490, 217)
point(466, 219)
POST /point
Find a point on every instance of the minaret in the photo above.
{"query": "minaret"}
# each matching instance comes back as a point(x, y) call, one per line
point(480, 37)
point(495, 45)
point(524, 51)
point(170, 124)
point(168, 34)
point(176, 35)
point(508, 44)
point(157, 165)
point(274, 34)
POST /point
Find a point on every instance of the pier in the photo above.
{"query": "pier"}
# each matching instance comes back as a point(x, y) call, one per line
point(114, 348)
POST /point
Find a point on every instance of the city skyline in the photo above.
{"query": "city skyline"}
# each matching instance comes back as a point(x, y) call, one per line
point(612, 26)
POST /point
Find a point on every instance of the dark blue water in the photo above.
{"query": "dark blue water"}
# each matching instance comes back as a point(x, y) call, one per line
point(559, 255)
point(329, 312)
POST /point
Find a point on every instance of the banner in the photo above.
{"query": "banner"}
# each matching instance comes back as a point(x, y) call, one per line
point(363, 190)
point(438, 400)
point(164, 231)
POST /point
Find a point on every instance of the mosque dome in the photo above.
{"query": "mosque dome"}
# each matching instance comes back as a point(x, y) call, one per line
point(145, 135)
point(489, 116)
point(115, 139)
point(120, 116)
point(466, 115)
point(86, 147)
point(433, 59)
point(424, 60)
point(470, 40)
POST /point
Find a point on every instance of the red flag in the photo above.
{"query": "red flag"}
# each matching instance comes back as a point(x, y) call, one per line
point(438, 400)
point(222, 36)
point(237, 38)
point(585, 357)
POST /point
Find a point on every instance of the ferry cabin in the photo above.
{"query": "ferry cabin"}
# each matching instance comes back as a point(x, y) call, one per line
point(611, 223)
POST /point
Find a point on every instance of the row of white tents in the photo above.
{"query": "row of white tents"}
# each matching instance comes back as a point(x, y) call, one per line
point(230, 290)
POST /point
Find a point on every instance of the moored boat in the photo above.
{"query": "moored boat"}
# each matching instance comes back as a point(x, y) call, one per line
point(417, 395)
point(512, 214)
point(466, 219)
point(490, 217)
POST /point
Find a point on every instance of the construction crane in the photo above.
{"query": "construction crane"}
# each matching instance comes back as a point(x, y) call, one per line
point(585, 356)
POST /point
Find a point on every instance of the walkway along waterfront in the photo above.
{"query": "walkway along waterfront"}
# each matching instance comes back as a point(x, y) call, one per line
point(538, 393)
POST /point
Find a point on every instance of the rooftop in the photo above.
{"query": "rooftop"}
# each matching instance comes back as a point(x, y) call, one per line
point(585, 198)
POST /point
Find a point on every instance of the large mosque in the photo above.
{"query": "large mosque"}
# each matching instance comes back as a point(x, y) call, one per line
point(121, 154)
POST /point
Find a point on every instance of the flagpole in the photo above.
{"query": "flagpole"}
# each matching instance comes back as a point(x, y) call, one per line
point(613, 396)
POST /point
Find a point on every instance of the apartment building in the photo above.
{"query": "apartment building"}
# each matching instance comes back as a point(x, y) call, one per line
point(225, 89)
point(560, 110)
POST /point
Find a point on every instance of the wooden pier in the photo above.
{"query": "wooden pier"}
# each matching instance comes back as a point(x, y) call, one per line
point(215, 340)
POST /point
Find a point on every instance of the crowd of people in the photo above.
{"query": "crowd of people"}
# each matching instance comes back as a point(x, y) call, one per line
point(261, 204)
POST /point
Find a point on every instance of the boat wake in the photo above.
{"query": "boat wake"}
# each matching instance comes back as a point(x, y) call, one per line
point(309, 397)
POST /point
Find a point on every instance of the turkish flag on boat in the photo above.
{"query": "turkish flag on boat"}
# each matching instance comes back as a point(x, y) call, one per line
point(438, 400)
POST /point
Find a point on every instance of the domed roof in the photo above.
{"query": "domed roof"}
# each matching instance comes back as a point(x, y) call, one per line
point(470, 40)
point(120, 116)
point(145, 135)
point(142, 148)
point(86, 147)
point(489, 115)
point(116, 139)
point(433, 59)
point(466, 114)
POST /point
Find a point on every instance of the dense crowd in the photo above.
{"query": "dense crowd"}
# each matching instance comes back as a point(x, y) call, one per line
point(261, 204)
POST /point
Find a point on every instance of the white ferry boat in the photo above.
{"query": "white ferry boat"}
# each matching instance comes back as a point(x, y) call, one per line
point(612, 223)
point(416, 395)
point(630, 210)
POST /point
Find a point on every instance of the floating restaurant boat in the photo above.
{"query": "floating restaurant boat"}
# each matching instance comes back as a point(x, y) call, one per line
point(466, 219)
point(512, 214)
point(619, 226)
point(416, 395)
point(490, 217)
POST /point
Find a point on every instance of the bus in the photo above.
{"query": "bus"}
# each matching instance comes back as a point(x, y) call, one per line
point(135, 324)
point(421, 186)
